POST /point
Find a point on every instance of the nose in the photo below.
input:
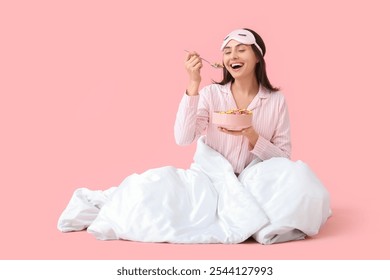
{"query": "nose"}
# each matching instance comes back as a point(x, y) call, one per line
point(234, 53)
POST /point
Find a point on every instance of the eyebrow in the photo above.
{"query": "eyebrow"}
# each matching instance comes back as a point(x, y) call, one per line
point(238, 45)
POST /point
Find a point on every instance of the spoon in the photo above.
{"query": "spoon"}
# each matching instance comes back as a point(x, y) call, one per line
point(215, 65)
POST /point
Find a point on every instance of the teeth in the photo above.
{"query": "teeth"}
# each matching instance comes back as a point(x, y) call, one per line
point(236, 65)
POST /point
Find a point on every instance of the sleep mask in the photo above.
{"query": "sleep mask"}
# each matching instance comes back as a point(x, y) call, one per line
point(243, 36)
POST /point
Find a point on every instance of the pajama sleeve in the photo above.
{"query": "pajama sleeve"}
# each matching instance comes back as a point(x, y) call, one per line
point(280, 143)
point(191, 119)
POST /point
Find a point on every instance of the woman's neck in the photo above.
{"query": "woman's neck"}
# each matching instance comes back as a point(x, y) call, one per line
point(245, 87)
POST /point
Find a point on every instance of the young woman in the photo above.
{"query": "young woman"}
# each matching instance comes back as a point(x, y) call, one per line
point(245, 85)
point(241, 183)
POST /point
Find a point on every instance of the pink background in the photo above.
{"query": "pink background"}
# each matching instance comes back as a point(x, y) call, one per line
point(77, 79)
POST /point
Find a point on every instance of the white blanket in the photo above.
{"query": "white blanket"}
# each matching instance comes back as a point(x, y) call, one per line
point(274, 201)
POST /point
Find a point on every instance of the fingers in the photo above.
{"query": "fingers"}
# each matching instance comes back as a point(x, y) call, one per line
point(193, 61)
point(248, 132)
point(191, 54)
point(231, 132)
point(243, 132)
point(193, 64)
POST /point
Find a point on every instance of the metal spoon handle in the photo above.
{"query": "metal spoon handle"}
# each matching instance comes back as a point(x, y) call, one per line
point(215, 65)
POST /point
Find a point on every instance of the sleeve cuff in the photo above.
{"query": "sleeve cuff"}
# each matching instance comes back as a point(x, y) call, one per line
point(191, 101)
point(260, 148)
point(264, 150)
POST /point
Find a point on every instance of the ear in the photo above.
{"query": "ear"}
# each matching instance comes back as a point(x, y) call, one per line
point(257, 57)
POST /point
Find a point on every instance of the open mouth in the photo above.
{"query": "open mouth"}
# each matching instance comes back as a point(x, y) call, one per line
point(236, 65)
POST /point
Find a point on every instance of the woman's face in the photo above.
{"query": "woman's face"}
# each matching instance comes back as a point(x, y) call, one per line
point(239, 59)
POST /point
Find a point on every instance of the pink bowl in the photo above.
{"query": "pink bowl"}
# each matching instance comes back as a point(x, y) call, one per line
point(232, 121)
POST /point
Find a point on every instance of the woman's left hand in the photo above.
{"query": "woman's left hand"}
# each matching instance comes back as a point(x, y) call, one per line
point(248, 132)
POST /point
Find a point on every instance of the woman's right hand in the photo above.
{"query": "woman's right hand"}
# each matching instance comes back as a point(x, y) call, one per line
point(193, 64)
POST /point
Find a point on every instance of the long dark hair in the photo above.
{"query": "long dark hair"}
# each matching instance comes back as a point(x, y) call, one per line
point(260, 70)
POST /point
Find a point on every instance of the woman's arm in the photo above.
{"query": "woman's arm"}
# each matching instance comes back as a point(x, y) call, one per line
point(280, 143)
point(191, 119)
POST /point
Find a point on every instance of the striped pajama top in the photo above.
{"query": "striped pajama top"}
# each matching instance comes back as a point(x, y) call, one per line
point(270, 121)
